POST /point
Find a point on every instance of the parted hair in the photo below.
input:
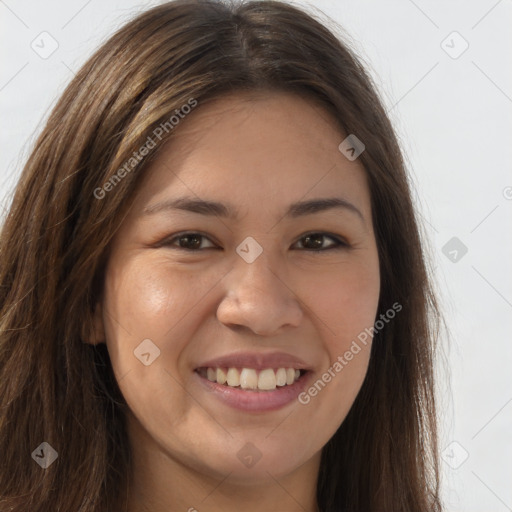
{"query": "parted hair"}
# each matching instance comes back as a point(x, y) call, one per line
point(55, 240)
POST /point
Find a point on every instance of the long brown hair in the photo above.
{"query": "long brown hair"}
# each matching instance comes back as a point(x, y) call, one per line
point(57, 389)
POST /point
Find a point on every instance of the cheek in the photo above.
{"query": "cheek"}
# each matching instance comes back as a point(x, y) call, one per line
point(346, 302)
point(346, 305)
point(331, 394)
point(146, 298)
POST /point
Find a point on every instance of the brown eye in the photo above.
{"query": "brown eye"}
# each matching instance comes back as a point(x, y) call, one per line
point(312, 242)
point(315, 242)
point(187, 241)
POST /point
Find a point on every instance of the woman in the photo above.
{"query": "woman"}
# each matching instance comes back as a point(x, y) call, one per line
point(213, 295)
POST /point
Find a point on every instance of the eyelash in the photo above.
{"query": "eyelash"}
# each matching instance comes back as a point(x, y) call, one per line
point(339, 242)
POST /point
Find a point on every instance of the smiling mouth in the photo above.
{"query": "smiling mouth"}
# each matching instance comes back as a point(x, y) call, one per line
point(250, 379)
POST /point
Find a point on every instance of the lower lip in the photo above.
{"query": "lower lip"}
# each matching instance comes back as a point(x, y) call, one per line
point(253, 400)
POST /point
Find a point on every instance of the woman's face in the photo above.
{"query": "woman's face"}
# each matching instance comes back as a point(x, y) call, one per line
point(195, 295)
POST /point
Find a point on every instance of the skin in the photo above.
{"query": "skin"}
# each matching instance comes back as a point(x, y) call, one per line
point(259, 152)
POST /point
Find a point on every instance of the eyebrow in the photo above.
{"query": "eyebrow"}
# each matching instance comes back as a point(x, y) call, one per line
point(205, 207)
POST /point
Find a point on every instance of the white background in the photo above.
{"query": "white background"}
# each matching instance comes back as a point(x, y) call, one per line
point(454, 119)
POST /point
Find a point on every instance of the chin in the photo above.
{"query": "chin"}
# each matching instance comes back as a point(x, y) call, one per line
point(255, 461)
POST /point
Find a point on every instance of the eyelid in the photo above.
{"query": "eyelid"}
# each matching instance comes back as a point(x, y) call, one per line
point(167, 241)
point(340, 242)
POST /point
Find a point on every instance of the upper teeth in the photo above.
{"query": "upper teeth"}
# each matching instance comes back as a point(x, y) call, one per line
point(248, 378)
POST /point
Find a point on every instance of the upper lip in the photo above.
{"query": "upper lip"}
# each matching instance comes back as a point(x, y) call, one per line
point(256, 360)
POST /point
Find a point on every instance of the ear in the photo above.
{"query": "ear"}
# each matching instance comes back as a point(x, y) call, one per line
point(94, 331)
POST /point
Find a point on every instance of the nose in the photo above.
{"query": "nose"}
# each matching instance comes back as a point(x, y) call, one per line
point(258, 299)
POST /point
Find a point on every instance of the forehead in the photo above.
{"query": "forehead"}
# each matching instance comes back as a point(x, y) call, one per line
point(255, 149)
